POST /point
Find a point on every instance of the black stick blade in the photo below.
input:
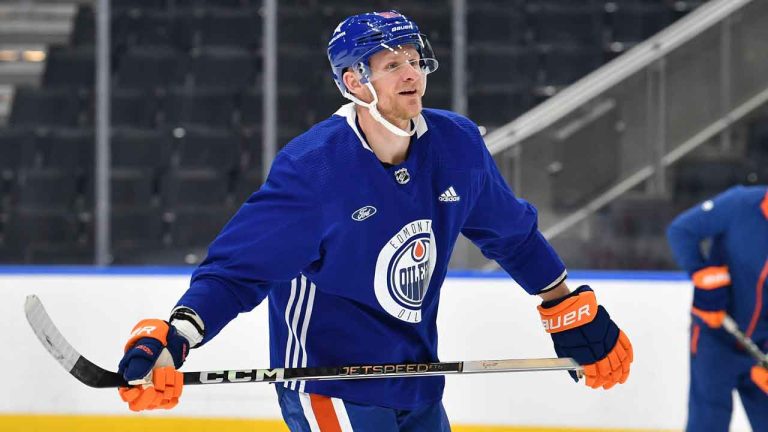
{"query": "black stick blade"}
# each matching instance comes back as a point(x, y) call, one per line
point(78, 366)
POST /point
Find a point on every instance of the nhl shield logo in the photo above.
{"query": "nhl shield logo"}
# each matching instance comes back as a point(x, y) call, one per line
point(404, 270)
point(402, 176)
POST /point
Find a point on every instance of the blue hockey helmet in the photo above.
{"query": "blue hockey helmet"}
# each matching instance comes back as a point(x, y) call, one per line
point(359, 37)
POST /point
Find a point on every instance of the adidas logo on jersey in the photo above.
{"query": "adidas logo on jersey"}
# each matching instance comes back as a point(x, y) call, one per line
point(449, 195)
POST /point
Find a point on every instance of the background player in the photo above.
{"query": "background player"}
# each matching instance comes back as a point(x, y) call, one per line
point(350, 239)
point(730, 278)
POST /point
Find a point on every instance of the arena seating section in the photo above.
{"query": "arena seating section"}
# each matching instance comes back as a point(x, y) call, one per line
point(187, 106)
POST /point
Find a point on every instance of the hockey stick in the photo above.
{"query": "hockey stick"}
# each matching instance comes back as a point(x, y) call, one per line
point(731, 327)
point(93, 375)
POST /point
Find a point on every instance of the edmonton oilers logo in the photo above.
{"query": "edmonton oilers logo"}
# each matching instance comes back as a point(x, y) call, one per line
point(409, 270)
point(403, 270)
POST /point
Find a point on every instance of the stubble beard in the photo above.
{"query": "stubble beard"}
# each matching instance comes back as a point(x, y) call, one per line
point(403, 111)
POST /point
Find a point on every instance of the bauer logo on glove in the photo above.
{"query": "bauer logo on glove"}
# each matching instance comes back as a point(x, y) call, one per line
point(583, 330)
point(570, 313)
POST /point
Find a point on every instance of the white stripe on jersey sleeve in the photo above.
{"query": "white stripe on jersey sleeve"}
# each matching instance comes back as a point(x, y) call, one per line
point(295, 330)
point(307, 316)
point(289, 341)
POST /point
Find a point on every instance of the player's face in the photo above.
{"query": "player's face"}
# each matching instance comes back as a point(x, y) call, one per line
point(399, 82)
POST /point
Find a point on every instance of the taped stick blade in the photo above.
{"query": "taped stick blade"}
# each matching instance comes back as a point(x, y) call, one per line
point(60, 349)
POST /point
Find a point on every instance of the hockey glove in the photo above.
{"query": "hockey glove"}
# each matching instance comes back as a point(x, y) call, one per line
point(152, 354)
point(759, 376)
point(710, 295)
point(584, 331)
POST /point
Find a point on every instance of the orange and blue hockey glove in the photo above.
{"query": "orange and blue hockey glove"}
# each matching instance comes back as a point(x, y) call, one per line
point(710, 295)
point(759, 375)
point(152, 354)
point(584, 331)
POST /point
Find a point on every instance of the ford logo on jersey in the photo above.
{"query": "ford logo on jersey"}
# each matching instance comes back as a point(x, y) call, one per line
point(363, 213)
point(403, 270)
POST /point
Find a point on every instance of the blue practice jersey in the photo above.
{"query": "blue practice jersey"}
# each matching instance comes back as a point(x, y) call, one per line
point(736, 223)
point(352, 253)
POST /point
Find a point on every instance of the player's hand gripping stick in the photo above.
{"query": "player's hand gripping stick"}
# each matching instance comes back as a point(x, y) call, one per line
point(152, 354)
point(583, 330)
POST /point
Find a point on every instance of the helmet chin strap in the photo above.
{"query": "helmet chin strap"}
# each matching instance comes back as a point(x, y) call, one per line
point(377, 115)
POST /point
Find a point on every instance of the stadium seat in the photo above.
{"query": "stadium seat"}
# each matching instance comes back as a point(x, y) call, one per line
point(37, 107)
point(131, 188)
point(297, 27)
point(561, 66)
point(151, 67)
point(203, 107)
point(757, 144)
point(79, 252)
point(197, 226)
point(194, 188)
point(137, 227)
point(326, 100)
point(133, 108)
point(494, 65)
point(70, 67)
point(45, 190)
point(16, 150)
point(645, 216)
point(496, 24)
point(700, 179)
point(27, 226)
point(557, 23)
point(230, 4)
point(442, 76)
point(84, 27)
point(251, 107)
point(240, 27)
point(433, 21)
point(222, 66)
point(252, 150)
point(69, 150)
point(140, 149)
point(633, 23)
point(134, 27)
point(293, 108)
point(217, 149)
point(300, 67)
point(497, 106)
point(141, 5)
point(438, 97)
point(247, 183)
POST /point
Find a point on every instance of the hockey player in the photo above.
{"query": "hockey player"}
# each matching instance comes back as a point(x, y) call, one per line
point(350, 238)
point(729, 279)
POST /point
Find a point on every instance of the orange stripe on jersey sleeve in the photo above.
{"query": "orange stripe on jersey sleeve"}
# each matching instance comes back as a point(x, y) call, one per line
point(325, 414)
point(695, 338)
point(710, 278)
point(758, 300)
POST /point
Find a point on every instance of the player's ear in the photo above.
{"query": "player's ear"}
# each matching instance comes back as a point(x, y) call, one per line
point(352, 81)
